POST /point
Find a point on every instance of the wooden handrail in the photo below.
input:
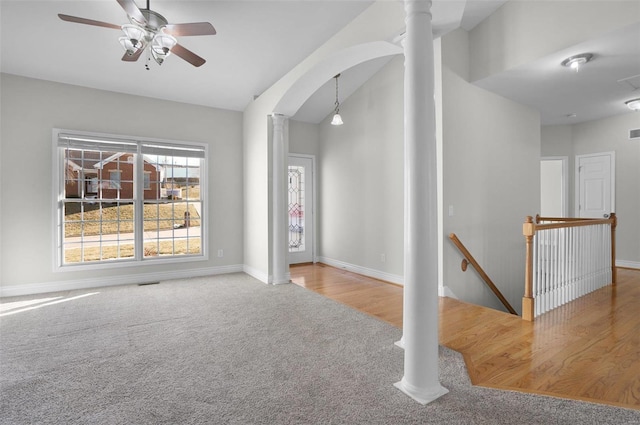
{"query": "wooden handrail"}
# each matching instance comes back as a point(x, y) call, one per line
point(562, 219)
point(487, 280)
point(573, 223)
point(540, 218)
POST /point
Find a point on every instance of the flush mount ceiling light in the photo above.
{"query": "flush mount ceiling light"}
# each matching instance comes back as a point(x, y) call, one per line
point(633, 104)
point(337, 119)
point(575, 62)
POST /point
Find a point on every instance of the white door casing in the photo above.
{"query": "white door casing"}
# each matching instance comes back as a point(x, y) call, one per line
point(301, 185)
point(595, 185)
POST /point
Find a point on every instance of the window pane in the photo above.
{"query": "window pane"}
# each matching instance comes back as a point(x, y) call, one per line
point(98, 205)
point(114, 179)
point(172, 223)
point(96, 231)
point(147, 180)
point(83, 173)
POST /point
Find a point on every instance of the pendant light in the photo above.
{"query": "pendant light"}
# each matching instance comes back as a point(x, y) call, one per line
point(337, 119)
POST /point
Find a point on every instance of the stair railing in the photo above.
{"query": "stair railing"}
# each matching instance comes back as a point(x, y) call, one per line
point(566, 258)
point(468, 259)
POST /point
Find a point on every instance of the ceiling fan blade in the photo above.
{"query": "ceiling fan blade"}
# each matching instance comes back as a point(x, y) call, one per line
point(194, 28)
point(132, 58)
point(187, 55)
point(88, 21)
point(132, 10)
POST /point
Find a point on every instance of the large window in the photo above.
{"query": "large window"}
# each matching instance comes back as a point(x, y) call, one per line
point(127, 200)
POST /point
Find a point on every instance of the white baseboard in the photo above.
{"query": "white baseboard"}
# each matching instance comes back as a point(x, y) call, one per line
point(69, 285)
point(628, 264)
point(258, 274)
point(376, 274)
point(263, 277)
point(447, 292)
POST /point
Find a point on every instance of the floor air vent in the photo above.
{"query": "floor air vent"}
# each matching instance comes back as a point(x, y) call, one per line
point(634, 134)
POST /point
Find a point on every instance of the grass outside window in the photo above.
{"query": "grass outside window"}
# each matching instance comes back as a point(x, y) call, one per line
point(107, 219)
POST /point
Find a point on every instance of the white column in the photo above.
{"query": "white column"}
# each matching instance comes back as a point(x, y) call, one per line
point(279, 246)
point(420, 321)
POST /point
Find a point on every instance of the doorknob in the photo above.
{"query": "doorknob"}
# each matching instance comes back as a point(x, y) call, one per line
point(606, 216)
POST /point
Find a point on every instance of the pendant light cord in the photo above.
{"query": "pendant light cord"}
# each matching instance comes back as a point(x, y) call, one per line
point(337, 108)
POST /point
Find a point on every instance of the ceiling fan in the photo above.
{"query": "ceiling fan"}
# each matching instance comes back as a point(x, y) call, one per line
point(149, 31)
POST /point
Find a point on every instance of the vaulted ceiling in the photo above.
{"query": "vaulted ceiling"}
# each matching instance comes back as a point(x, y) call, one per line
point(259, 41)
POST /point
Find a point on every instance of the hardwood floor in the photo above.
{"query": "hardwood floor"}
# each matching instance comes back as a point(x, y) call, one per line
point(586, 350)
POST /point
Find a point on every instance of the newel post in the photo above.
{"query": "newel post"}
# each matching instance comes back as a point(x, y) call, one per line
point(528, 230)
point(614, 272)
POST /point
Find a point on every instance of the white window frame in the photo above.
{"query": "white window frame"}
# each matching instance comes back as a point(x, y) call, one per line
point(139, 259)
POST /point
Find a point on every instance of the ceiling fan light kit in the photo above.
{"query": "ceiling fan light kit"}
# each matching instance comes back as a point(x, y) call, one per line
point(134, 38)
point(161, 47)
point(129, 46)
point(149, 31)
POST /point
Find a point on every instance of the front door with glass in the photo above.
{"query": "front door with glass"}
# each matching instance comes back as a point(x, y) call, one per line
point(300, 196)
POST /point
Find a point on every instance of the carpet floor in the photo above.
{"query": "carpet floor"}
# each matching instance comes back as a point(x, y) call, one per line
point(230, 350)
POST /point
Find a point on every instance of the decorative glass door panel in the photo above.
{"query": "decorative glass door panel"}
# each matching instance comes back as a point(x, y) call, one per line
point(300, 196)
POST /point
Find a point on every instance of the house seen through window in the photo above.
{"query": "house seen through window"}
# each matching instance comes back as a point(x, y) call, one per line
point(121, 199)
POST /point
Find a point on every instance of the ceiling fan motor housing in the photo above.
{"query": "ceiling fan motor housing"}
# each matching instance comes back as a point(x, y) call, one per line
point(155, 21)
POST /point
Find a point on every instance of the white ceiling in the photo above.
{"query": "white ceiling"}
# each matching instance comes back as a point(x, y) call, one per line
point(564, 96)
point(260, 41)
point(254, 46)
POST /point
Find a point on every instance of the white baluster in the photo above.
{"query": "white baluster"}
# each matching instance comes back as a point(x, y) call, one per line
point(535, 287)
point(545, 246)
point(554, 263)
point(565, 263)
point(551, 281)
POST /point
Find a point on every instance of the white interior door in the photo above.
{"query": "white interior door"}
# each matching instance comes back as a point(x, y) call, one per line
point(595, 180)
point(301, 217)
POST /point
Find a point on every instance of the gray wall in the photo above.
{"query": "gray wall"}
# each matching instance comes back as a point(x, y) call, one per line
point(491, 178)
point(361, 177)
point(357, 40)
point(606, 135)
point(304, 138)
point(31, 108)
point(491, 152)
